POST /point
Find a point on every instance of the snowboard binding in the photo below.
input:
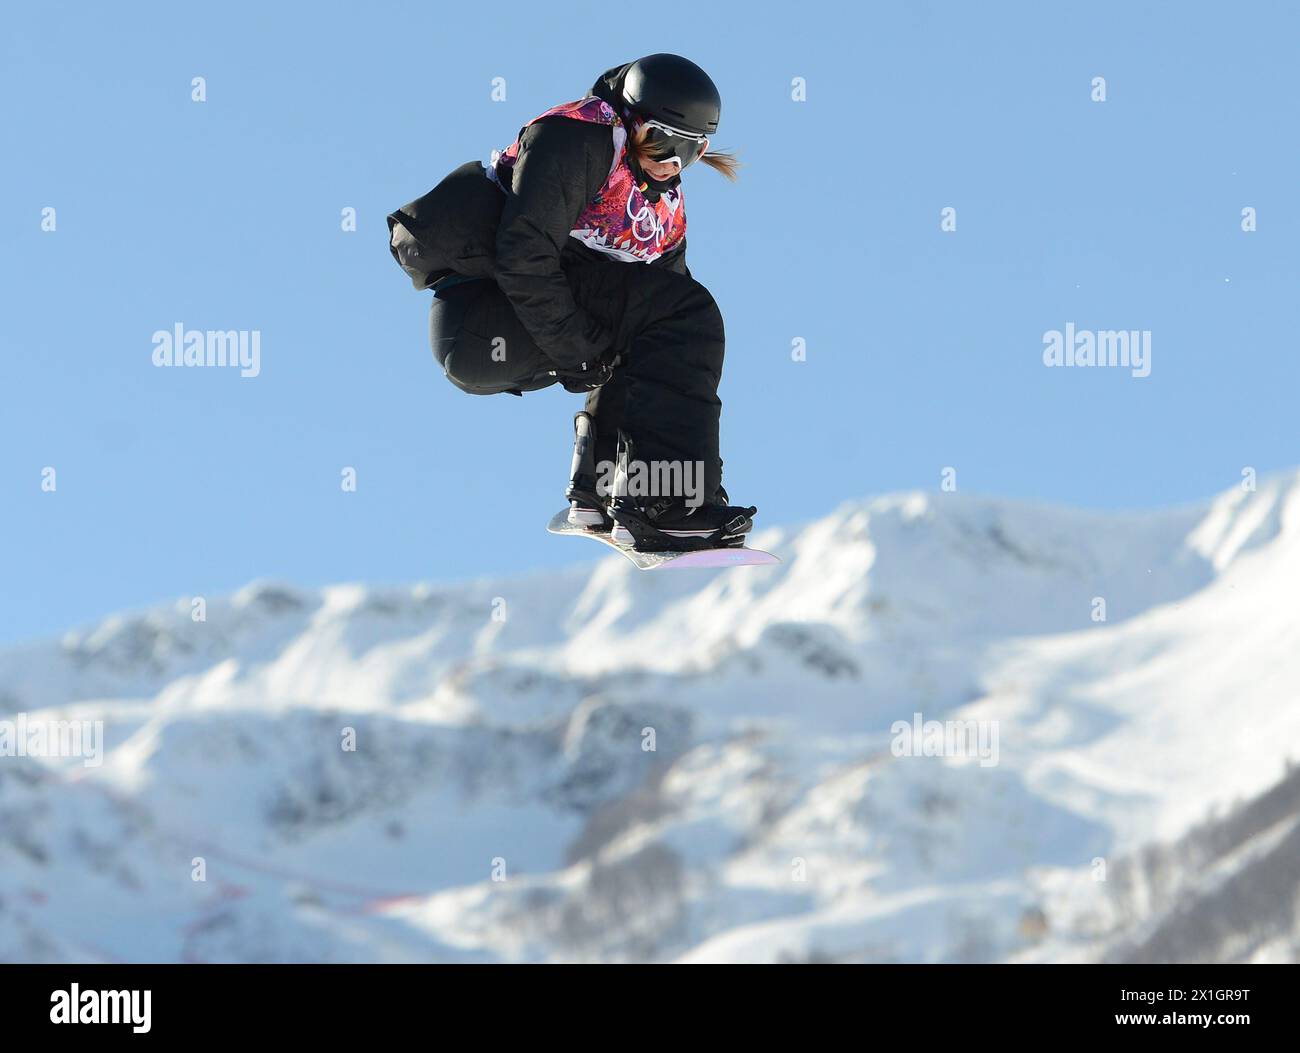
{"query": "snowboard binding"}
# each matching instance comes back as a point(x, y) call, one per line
point(646, 537)
point(666, 524)
point(587, 507)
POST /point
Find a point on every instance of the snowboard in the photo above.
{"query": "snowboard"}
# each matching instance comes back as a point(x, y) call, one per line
point(703, 557)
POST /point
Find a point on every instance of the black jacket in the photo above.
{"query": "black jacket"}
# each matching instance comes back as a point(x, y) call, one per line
point(520, 238)
point(562, 165)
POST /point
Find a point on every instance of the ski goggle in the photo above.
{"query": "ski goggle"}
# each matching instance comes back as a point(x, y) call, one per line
point(669, 145)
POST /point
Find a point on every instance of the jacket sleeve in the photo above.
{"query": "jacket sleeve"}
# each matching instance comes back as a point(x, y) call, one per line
point(562, 164)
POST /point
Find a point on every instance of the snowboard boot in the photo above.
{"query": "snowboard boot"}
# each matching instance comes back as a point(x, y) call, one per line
point(586, 506)
point(669, 524)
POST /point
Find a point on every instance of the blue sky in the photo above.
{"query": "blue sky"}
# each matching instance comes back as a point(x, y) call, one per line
point(924, 347)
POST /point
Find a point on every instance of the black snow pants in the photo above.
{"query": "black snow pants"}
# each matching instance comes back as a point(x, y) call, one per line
point(667, 329)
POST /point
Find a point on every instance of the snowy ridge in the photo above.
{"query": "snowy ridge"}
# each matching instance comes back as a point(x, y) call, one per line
point(770, 822)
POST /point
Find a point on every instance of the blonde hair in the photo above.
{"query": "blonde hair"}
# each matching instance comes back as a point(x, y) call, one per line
point(720, 161)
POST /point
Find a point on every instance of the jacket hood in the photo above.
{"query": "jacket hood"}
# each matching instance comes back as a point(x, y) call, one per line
point(609, 86)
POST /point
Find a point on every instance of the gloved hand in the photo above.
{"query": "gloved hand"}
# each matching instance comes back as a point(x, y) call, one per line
point(587, 377)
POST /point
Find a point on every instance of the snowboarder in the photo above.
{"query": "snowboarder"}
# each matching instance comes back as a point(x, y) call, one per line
point(564, 261)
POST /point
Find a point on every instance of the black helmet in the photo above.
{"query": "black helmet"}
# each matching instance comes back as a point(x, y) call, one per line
point(673, 90)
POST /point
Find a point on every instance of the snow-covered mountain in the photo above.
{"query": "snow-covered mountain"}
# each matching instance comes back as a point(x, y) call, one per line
point(602, 764)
